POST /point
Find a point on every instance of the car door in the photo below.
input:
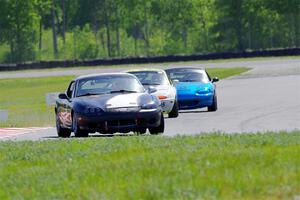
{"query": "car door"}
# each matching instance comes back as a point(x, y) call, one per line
point(68, 108)
point(64, 107)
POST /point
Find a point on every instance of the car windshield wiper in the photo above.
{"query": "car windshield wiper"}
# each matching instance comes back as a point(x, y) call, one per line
point(123, 91)
point(150, 84)
point(89, 94)
point(191, 80)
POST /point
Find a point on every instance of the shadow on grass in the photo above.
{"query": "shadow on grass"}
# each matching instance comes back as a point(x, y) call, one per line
point(98, 135)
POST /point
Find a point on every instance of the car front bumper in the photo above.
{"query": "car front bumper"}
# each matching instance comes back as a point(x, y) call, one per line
point(193, 101)
point(111, 122)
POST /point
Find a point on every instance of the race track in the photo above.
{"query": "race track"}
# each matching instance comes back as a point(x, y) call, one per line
point(267, 98)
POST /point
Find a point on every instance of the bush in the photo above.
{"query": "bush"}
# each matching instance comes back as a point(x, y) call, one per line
point(85, 45)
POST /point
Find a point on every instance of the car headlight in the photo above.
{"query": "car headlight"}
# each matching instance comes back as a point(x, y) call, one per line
point(204, 90)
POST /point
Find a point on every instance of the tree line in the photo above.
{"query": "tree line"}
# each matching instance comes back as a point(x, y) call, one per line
point(85, 29)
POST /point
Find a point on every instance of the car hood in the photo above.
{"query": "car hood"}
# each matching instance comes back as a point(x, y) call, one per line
point(184, 87)
point(162, 90)
point(108, 101)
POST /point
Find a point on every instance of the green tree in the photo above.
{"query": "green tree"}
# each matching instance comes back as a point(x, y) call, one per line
point(230, 25)
point(290, 13)
point(176, 19)
point(18, 28)
point(86, 47)
point(43, 8)
point(204, 19)
point(139, 27)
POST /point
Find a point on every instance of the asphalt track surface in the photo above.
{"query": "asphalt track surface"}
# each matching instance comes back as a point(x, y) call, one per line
point(266, 98)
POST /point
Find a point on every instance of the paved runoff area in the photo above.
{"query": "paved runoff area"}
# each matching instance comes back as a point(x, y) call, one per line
point(266, 98)
point(16, 132)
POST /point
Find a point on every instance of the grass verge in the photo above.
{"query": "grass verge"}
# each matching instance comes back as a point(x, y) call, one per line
point(169, 64)
point(24, 98)
point(215, 166)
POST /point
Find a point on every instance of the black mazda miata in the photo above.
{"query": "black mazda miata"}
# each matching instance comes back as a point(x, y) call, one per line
point(107, 103)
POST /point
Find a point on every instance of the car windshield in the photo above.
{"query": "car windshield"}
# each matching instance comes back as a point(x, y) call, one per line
point(108, 84)
point(151, 77)
point(188, 75)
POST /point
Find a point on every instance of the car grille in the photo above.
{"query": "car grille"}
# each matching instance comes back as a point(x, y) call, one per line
point(188, 103)
point(118, 123)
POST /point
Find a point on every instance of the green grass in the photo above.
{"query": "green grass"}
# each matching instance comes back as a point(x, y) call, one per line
point(215, 166)
point(222, 73)
point(169, 64)
point(24, 98)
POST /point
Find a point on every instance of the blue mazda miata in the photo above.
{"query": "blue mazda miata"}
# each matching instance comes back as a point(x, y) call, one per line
point(195, 89)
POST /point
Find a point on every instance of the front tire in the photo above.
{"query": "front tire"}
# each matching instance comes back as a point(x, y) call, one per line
point(62, 132)
point(214, 106)
point(160, 129)
point(174, 111)
point(77, 131)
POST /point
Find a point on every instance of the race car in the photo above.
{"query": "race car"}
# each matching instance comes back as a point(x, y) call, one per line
point(108, 103)
point(166, 91)
point(195, 88)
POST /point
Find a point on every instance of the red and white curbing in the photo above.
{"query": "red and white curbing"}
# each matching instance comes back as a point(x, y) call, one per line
point(10, 132)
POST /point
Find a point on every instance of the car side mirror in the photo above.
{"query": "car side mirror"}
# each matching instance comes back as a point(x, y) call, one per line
point(175, 81)
point(62, 96)
point(151, 90)
point(215, 79)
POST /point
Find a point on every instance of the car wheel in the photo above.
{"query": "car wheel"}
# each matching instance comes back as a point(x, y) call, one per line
point(174, 111)
point(160, 128)
point(61, 132)
point(214, 106)
point(77, 131)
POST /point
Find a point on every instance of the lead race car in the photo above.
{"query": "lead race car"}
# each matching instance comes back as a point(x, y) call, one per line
point(166, 91)
point(108, 103)
point(195, 88)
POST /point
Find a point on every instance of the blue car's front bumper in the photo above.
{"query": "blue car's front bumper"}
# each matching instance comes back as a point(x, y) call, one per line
point(196, 100)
